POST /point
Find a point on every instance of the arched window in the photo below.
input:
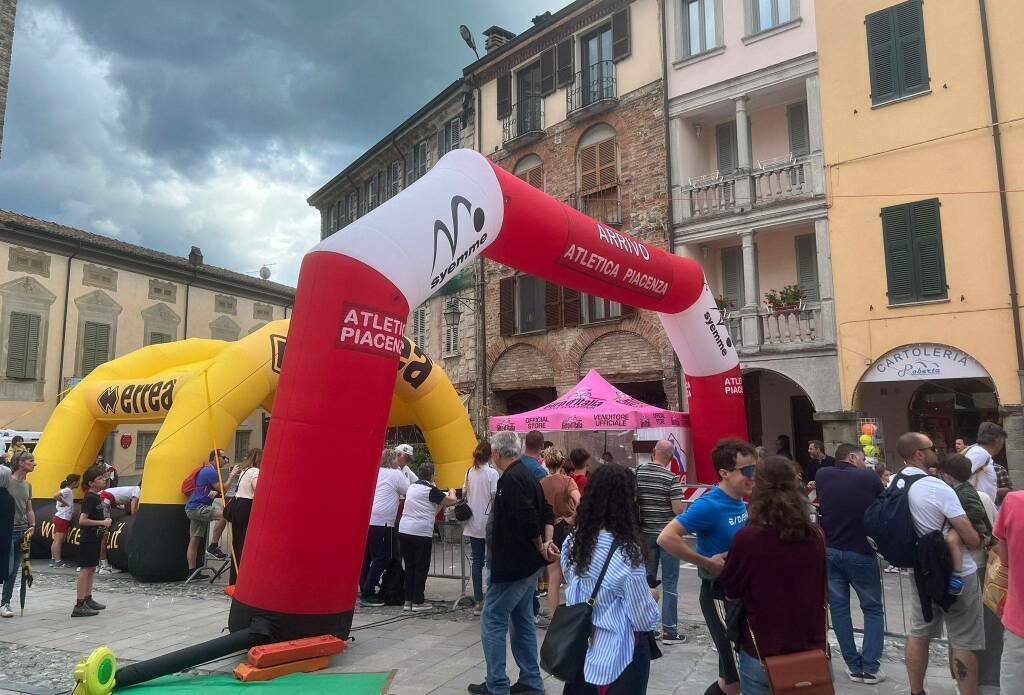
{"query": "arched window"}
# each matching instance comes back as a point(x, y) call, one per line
point(531, 169)
point(598, 175)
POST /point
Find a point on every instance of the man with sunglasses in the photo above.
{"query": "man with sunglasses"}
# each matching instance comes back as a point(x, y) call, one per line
point(715, 517)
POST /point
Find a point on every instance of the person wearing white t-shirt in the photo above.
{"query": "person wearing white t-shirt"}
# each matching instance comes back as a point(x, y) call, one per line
point(404, 456)
point(991, 439)
point(380, 542)
point(65, 500)
point(479, 490)
point(416, 535)
point(934, 506)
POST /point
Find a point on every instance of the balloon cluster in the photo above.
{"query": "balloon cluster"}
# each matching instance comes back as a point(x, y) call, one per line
point(867, 439)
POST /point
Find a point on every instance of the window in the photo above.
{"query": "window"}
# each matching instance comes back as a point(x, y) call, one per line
point(26, 261)
point(449, 137)
point(163, 291)
point(529, 303)
point(726, 148)
point(143, 443)
point(225, 304)
point(897, 60)
point(799, 134)
point(156, 338)
point(914, 263)
point(531, 169)
point(598, 71)
point(598, 194)
point(416, 162)
point(95, 346)
point(599, 309)
point(732, 277)
point(23, 346)
point(262, 312)
point(96, 276)
point(352, 207)
point(371, 194)
point(419, 328)
point(766, 14)
point(242, 438)
point(396, 179)
point(700, 26)
point(451, 333)
point(807, 266)
point(332, 218)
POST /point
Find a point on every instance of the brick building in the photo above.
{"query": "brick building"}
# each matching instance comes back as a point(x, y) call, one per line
point(575, 106)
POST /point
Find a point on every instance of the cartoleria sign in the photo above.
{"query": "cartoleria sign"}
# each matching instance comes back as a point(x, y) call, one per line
point(922, 362)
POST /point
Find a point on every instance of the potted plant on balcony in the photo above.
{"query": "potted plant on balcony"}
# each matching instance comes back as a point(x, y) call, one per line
point(725, 305)
point(786, 299)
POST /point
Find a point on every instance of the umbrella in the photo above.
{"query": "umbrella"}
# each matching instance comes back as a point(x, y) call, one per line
point(26, 566)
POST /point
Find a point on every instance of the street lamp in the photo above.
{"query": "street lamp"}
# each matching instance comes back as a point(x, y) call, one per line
point(467, 36)
point(453, 309)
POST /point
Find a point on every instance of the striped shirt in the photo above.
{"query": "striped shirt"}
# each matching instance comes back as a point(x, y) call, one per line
point(624, 605)
point(657, 487)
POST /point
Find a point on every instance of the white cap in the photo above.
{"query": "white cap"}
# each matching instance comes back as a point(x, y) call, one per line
point(404, 449)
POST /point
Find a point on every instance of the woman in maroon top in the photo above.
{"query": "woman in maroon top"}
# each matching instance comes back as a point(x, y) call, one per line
point(776, 566)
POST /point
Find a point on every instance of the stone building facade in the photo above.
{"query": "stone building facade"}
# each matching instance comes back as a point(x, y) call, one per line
point(445, 326)
point(71, 300)
point(8, 9)
point(575, 106)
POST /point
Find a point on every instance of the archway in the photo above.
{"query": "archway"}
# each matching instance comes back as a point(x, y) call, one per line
point(777, 406)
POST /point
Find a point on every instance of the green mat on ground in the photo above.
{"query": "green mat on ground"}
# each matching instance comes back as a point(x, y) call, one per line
point(305, 683)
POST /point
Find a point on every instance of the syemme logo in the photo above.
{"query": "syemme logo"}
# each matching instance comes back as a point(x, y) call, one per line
point(713, 324)
point(452, 236)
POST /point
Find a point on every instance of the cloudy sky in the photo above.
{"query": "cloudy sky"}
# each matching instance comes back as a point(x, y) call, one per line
point(169, 124)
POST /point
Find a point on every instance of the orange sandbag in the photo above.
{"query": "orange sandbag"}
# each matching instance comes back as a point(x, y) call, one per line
point(294, 650)
point(230, 590)
point(248, 673)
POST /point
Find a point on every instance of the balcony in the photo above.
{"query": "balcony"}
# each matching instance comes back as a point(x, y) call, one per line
point(779, 329)
point(604, 206)
point(592, 91)
point(525, 125)
point(780, 180)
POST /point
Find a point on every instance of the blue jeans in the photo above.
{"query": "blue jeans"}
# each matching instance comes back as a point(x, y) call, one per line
point(669, 582)
point(478, 549)
point(845, 569)
point(753, 679)
point(14, 562)
point(509, 609)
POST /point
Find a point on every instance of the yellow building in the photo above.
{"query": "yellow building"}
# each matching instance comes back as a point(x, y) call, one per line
point(926, 214)
point(71, 300)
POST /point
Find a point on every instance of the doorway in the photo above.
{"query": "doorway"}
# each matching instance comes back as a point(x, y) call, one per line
point(528, 91)
point(598, 82)
point(805, 429)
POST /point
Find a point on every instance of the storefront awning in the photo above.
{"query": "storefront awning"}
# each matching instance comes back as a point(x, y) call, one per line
point(924, 362)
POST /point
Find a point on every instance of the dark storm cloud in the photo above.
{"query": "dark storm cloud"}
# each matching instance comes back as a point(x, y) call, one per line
point(169, 124)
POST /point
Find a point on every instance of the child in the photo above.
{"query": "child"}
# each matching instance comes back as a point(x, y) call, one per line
point(62, 517)
point(91, 520)
point(956, 470)
point(124, 498)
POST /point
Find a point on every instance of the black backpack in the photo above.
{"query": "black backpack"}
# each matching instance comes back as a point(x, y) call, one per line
point(392, 584)
point(889, 525)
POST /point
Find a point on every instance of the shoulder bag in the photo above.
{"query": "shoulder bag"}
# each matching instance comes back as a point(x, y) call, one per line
point(462, 511)
point(564, 651)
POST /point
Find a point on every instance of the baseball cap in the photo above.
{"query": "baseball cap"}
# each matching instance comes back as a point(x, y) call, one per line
point(404, 449)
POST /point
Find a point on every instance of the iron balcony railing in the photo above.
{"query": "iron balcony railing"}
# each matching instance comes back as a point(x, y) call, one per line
point(591, 86)
point(526, 119)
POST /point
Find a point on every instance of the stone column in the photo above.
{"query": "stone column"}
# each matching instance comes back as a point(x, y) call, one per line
point(750, 321)
point(827, 323)
point(814, 130)
point(838, 427)
point(743, 188)
point(1013, 423)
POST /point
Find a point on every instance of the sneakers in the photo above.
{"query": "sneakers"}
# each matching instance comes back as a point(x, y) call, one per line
point(5, 611)
point(478, 609)
point(83, 611)
point(105, 569)
point(956, 585)
point(478, 689)
point(520, 689)
point(867, 678)
point(672, 638)
point(94, 605)
point(371, 602)
point(215, 550)
point(421, 608)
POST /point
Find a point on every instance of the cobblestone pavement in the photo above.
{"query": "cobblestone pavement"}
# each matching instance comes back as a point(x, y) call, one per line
point(437, 653)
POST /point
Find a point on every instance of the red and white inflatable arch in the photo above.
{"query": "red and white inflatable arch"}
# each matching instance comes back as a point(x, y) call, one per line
point(355, 292)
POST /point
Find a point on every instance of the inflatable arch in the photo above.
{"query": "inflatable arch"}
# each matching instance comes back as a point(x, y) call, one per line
point(200, 390)
point(354, 293)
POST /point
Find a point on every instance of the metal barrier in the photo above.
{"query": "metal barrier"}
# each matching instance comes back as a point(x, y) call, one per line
point(448, 560)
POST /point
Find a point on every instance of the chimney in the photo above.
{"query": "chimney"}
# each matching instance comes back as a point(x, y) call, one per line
point(541, 18)
point(195, 256)
point(496, 38)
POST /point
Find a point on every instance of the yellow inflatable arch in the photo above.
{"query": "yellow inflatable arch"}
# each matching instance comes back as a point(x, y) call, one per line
point(201, 390)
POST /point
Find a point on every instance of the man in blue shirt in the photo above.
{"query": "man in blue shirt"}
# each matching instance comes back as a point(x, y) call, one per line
point(845, 491)
point(715, 517)
point(533, 445)
point(200, 509)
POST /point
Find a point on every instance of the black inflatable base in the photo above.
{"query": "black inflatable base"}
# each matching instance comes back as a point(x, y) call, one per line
point(160, 537)
point(289, 626)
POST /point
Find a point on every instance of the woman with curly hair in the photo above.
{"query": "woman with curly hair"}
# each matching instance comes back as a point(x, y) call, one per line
point(562, 494)
point(626, 610)
point(776, 566)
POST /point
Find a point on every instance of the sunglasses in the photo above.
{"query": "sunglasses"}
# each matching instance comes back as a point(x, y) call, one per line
point(748, 471)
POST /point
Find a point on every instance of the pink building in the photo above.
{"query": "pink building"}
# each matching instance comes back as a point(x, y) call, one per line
point(748, 199)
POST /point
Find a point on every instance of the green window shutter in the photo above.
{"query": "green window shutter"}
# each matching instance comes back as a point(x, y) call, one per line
point(23, 346)
point(882, 55)
point(912, 60)
point(899, 254)
point(620, 34)
point(159, 338)
point(799, 135)
point(732, 276)
point(807, 266)
point(931, 267)
point(96, 348)
point(725, 139)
